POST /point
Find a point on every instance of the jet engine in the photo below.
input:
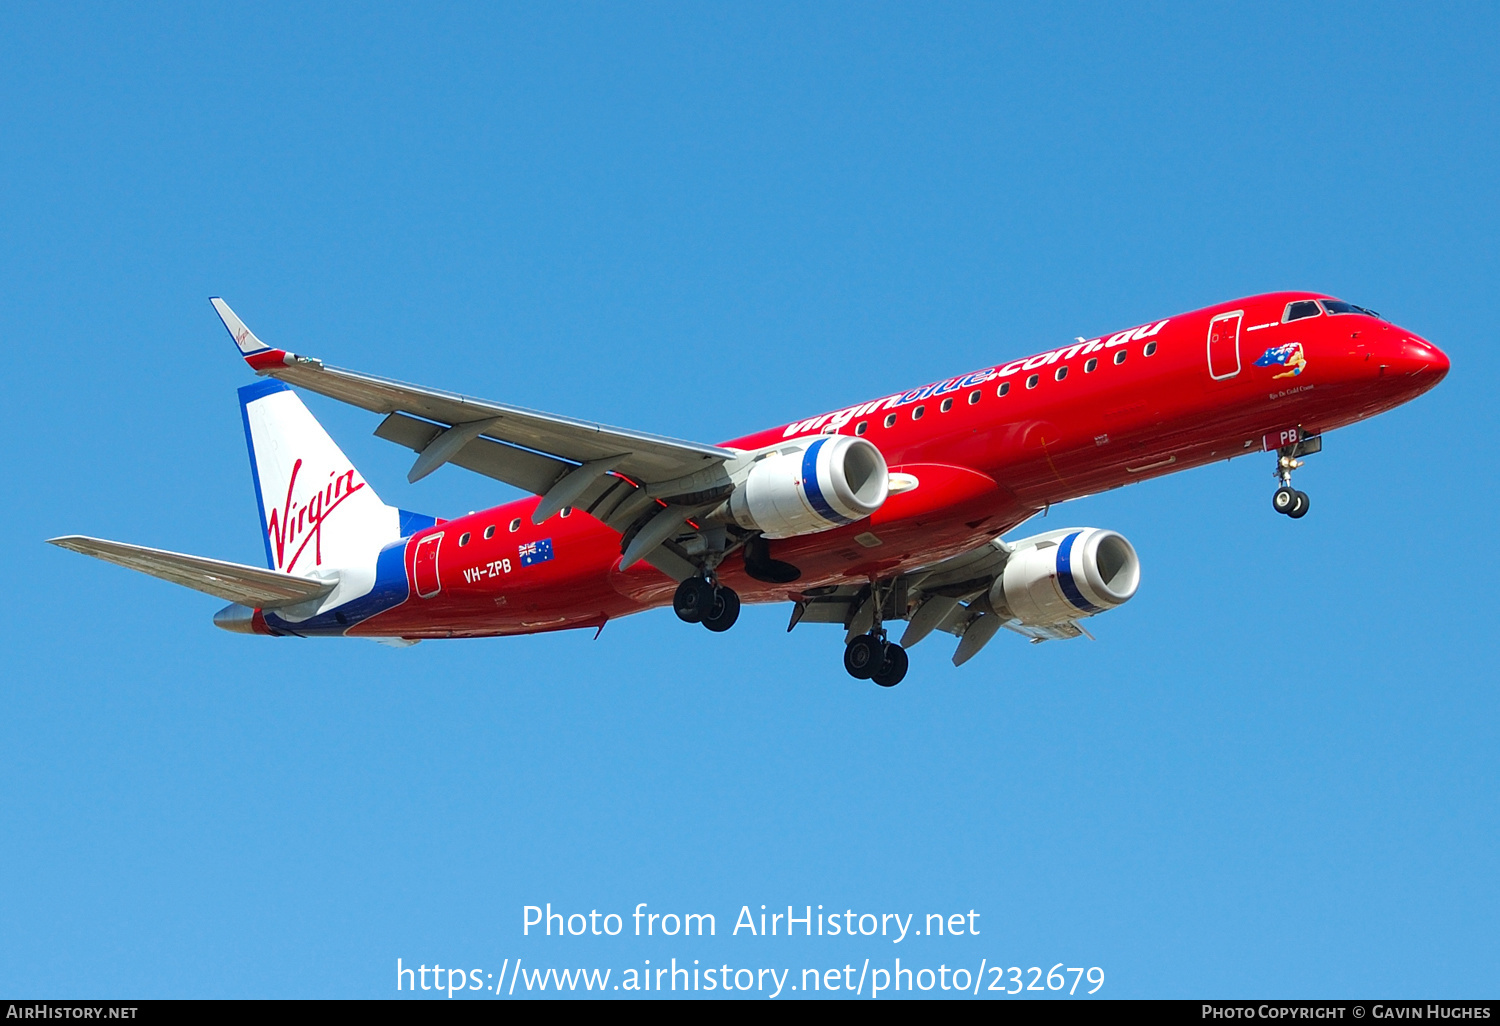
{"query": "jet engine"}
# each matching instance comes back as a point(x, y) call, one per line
point(831, 482)
point(1066, 575)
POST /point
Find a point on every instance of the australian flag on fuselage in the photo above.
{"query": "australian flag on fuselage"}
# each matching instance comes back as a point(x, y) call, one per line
point(536, 552)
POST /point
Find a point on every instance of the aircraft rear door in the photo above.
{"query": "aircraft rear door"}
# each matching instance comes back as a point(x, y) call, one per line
point(424, 566)
point(1224, 345)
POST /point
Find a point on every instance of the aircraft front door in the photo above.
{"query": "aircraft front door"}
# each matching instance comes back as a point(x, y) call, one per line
point(424, 566)
point(1224, 345)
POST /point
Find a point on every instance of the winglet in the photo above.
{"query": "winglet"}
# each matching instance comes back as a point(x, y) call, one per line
point(256, 353)
point(243, 336)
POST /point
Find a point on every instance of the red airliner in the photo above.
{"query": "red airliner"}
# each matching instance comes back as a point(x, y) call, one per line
point(890, 509)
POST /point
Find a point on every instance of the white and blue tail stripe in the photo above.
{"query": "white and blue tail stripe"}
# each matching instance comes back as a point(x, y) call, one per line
point(319, 517)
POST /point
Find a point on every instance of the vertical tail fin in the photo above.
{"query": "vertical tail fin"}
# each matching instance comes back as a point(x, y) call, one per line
point(316, 511)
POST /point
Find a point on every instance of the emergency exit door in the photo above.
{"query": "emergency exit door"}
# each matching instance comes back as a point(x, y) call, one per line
point(424, 566)
point(1224, 345)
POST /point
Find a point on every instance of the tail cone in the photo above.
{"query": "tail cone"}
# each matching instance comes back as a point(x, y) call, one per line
point(236, 619)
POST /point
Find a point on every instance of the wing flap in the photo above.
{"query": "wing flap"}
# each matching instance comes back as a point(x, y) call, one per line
point(1064, 631)
point(648, 458)
point(525, 448)
point(651, 457)
point(234, 582)
point(529, 471)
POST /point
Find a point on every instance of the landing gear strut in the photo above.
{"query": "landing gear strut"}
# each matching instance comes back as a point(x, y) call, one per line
point(705, 601)
point(871, 656)
point(1287, 499)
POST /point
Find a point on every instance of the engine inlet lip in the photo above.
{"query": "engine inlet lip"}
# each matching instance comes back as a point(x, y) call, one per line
point(877, 482)
point(1126, 580)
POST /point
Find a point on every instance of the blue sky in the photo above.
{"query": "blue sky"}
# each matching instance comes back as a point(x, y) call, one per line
point(1274, 773)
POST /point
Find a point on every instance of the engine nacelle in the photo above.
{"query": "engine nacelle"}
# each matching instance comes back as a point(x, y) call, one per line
point(833, 481)
point(1066, 575)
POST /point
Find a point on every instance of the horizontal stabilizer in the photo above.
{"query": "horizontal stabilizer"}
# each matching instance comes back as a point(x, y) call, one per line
point(233, 582)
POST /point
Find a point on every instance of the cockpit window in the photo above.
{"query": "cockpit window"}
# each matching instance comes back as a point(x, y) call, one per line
point(1338, 306)
point(1298, 310)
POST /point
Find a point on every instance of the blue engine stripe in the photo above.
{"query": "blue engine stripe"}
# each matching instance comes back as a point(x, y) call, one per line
point(1065, 576)
point(810, 486)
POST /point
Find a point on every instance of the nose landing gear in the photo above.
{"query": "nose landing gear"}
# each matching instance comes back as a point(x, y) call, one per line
point(1291, 502)
point(1288, 500)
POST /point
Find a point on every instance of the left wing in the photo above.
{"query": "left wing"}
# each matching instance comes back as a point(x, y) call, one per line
point(951, 595)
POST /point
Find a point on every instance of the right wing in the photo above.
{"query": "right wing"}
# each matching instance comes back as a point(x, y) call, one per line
point(234, 582)
point(652, 460)
point(633, 481)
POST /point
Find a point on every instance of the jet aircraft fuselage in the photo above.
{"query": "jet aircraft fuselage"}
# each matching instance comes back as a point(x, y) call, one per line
point(987, 449)
point(888, 509)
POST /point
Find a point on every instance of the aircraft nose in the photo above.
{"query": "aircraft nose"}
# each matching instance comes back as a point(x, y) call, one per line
point(1424, 358)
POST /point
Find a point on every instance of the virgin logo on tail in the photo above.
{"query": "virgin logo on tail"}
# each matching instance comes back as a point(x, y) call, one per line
point(305, 520)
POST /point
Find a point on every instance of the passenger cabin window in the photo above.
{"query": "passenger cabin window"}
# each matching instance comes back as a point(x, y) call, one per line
point(515, 525)
point(1031, 381)
point(489, 532)
point(463, 539)
point(1062, 372)
point(974, 397)
point(1300, 309)
point(1004, 388)
point(567, 511)
point(1338, 306)
point(890, 420)
point(861, 427)
point(947, 405)
point(1150, 348)
point(917, 413)
point(1120, 356)
point(1088, 367)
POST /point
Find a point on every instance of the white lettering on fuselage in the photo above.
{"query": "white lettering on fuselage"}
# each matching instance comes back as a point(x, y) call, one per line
point(486, 571)
point(1289, 391)
point(829, 423)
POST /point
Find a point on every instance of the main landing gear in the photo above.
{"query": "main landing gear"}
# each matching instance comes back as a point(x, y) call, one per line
point(872, 657)
point(1287, 499)
point(704, 600)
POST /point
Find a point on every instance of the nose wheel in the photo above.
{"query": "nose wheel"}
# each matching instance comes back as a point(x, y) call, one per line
point(1288, 500)
point(1291, 502)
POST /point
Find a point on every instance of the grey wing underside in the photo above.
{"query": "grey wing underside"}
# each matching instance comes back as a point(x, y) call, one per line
point(234, 582)
point(643, 457)
point(616, 500)
point(950, 596)
point(631, 480)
